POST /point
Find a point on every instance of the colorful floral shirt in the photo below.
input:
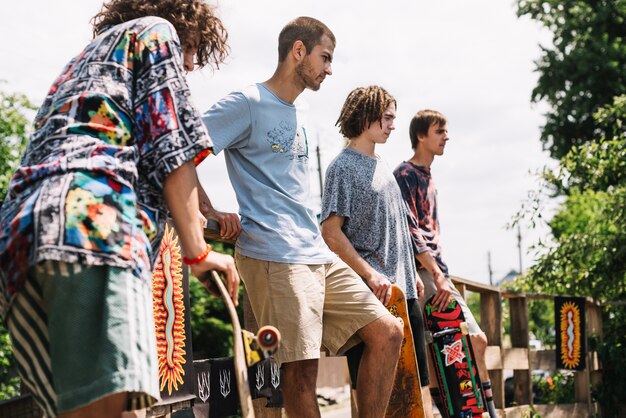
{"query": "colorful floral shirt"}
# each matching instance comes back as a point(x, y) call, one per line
point(115, 124)
point(419, 192)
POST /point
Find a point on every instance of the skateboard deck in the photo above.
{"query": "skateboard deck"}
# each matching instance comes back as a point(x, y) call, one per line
point(406, 395)
point(454, 362)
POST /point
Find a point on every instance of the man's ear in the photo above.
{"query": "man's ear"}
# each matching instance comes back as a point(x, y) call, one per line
point(298, 50)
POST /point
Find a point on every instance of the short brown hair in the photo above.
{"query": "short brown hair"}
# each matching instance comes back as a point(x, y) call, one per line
point(305, 29)
point(364, 105)
point(192, 19)
point(422, 121)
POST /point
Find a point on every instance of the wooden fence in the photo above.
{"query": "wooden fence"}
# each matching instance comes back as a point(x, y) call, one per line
point(522, 360)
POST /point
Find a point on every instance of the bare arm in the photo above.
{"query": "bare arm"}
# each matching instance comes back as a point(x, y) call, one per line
point(230, 226)
point(339, 243)
point(443, 288)
point(181, 194)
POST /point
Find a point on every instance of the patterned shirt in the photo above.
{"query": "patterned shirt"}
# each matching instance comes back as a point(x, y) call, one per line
point(114, 125)
point(419, 192)
point(363, 190)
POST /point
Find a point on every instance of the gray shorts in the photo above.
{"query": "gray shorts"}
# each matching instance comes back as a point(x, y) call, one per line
point(430, 290)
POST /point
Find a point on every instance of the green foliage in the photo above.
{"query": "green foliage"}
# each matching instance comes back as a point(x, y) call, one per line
point(211, 328)
point(555, 389)
point(9, 381)
point(589, 248)
point(587, 253)
point(583, 69)
point(14, 129)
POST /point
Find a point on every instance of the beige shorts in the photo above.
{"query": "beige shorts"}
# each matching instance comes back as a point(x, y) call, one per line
point(430, 290)
point(311, 305)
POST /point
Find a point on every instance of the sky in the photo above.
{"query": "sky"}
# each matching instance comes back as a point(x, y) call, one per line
point(472, 61)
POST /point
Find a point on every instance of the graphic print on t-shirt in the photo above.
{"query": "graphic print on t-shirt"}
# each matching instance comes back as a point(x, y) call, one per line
point(289, 141)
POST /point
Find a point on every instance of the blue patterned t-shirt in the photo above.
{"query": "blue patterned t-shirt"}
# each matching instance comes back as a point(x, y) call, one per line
point(363, 190)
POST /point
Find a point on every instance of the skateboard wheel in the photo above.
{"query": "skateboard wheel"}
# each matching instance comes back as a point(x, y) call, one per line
point(464, 328)
point(428, 336)
point(268, 338)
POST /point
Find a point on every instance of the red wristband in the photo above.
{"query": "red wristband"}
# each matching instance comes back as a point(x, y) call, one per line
point(198, 258)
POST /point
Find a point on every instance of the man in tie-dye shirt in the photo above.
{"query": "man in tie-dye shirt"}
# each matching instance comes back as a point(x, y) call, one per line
point(111, 157)
point(429, 136)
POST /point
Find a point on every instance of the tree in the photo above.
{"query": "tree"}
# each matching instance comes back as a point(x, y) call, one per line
point(14, 129)
point(583, 69)
point(587, 253)
point(211, 328)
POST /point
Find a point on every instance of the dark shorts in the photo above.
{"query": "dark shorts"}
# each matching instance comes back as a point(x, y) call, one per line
point(416, 319)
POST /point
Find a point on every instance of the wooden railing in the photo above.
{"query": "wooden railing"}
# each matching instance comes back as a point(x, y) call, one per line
point(522, 360)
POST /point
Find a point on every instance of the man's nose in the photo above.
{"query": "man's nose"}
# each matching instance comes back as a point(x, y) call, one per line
point(188, 65)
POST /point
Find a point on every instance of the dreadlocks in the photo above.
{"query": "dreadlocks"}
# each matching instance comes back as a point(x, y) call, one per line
point(363, 106)
point(194, 20)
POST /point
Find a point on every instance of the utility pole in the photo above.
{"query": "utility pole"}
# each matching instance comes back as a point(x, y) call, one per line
point(489, 268)
point(519, 248)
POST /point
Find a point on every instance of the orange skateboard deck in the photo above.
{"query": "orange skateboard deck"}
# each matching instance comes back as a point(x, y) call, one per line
point(406, 395)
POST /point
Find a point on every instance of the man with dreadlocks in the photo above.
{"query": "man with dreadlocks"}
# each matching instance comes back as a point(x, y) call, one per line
point(112, 155)
point(365, 220)
point(294, 282)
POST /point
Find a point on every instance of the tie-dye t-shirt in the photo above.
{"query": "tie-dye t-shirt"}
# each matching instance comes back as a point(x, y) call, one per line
point(114, 125)
point(420, 194)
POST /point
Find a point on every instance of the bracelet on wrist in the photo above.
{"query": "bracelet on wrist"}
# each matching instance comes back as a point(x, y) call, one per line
point(198, 258)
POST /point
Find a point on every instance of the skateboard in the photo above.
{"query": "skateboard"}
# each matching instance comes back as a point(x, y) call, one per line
point(248, 348)
point(454, 361)
point(406, 395)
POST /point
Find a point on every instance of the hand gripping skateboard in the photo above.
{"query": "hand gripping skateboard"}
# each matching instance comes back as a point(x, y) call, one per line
point(248, 348)
point(406, 395)
point(454, 361)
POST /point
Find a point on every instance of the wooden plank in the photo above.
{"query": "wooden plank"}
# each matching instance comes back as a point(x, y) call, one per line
point(491, 317)
point(594, 320)
point(594, 362)
point(493, 357)
point(521, 411)
point(518, 355)
point(519, 322)
point(515, 359)
point(542, 359)
point(491, 324)
point(497, 386)
point(473, 286)
point(542, 296)
point(461, 288)
point(573, 410)
point(581, 386)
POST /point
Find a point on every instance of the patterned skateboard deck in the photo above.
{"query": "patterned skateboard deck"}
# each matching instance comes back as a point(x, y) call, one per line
point(406, 395)
point(453, 358)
